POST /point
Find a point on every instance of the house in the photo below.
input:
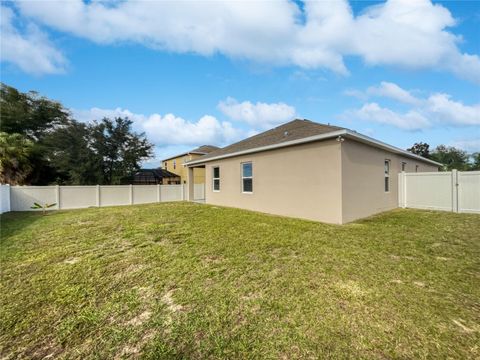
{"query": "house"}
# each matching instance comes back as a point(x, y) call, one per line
point(307, 170)
point(155, 176)
point(175, 164)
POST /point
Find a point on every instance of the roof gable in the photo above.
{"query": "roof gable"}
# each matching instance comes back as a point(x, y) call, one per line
point(293, 130)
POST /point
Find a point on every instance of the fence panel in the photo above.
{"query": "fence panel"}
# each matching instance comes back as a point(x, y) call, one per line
point(171, 192)
point(199, 192)
point(457, 191)
point(469, 191)
point(114, 195)
point(144, 194)
point(23, 197)
point(429, 191)
point(4, 198)
point(77, 197)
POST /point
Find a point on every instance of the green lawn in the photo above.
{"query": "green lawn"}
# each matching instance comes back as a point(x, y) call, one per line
point(183, 280)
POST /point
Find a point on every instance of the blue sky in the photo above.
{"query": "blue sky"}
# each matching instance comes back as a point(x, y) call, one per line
point(212, 73)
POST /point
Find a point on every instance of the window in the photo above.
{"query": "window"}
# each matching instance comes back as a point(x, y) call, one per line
point(174, 164)
point(247, 177)
point(216, 178)
point(404, 166)
point(416, 168)
point(165, 164)
point(387, 175)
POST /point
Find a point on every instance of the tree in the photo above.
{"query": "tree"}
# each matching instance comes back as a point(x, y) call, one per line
point(51, 147)
point(28, 113)
point(15, 166)
point(69, 153)
point(34, 117)
point(421, 148)
point(117, 149)
point(450, 157)
point(475, 164)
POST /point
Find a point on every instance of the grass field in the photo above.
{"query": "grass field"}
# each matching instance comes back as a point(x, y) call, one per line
point(183, 280)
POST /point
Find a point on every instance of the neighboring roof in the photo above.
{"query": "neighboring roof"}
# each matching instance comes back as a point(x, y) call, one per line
point(293, 133)
point(159, 173)
point(201, 150)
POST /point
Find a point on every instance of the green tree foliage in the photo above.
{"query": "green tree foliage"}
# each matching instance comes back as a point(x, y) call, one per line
point(451, 158)
point(62, 150)
point(475, 161)
point(117, 149)
point(28, 113)
point(421, 148)
point(15, 165)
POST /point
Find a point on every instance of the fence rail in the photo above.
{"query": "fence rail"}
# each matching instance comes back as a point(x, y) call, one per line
point(21, 198)
point(457, 191)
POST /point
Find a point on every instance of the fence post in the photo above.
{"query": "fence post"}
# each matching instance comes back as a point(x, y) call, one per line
point(402, 190)
point(158, 193)
point(98, 196)
point(455, 190)
point(57, 196)
point(131, 194)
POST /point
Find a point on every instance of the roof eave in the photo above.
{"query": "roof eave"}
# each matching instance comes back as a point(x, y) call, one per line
point(270, 147)
point(385, 146)
point(343, 132)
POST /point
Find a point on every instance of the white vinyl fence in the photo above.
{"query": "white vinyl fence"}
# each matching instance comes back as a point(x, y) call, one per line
point(199, 192)
point(21, 198)
point(457, 191)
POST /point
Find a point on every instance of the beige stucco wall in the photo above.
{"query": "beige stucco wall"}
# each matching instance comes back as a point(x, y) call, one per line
point(302, 181)
point(363, 179)
point(176, 166)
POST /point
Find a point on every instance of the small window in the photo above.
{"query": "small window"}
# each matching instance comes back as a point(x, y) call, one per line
point(387, 175)
point(416, 168)
point(247, 177)
point(174, 164)
point(165, 165)
point(404, 166)
point(216, 178)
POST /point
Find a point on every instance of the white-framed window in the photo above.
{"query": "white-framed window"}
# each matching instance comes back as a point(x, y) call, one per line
point(247, 177)
point(165, 165)
point(174, 164)
point(404, 166)
point(216, 178)
point(387, 175)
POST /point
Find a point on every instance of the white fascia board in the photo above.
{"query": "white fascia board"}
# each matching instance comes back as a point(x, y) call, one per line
point(270, 147)
point(385, 146)
point(344, 132)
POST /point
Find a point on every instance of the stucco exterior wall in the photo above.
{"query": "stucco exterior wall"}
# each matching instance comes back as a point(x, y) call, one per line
point(301, 181)
point(175, 166)
point(363, 179)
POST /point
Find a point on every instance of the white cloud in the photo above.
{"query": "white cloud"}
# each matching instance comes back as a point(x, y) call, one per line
point(393, 91)
point(453, 112)
point(259, 115)
point(469, 145)
point(30, 50)
point(165, 130)
point(436, 109)
point(410, 120)
point(411, 34)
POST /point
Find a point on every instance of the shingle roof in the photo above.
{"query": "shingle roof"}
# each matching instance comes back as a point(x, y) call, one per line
point(293, 130)
point(204, 149)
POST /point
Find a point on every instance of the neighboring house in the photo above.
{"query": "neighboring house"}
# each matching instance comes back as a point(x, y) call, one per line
point(155, 176)
point(308, 170)
point(175, 164)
